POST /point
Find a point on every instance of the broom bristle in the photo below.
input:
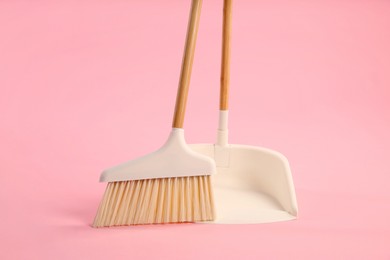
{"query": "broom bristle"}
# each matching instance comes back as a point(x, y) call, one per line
point(156, 201)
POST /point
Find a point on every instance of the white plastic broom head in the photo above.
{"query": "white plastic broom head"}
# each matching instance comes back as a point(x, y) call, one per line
point(174, 159)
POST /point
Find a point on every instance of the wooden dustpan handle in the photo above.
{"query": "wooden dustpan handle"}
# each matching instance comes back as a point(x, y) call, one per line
point(186, 67)
point(225, 66)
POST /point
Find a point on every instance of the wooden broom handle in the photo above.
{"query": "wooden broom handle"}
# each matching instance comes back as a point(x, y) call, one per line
point(225, 66)
point(186, 67)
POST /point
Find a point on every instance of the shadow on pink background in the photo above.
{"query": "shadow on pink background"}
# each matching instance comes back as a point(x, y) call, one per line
point(89, 84)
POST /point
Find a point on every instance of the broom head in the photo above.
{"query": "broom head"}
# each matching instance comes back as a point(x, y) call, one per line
point(170, 185)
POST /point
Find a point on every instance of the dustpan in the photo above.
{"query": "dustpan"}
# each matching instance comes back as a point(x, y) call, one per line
point(253, 184)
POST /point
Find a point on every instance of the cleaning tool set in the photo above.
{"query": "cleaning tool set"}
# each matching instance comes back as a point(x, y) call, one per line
point(173, 183)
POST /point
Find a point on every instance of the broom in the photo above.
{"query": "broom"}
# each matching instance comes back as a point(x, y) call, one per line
point(171, 184)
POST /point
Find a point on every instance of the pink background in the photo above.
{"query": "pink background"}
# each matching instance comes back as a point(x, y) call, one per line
point(88, 84)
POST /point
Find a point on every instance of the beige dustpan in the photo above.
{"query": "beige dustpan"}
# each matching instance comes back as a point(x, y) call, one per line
point(253, 184)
